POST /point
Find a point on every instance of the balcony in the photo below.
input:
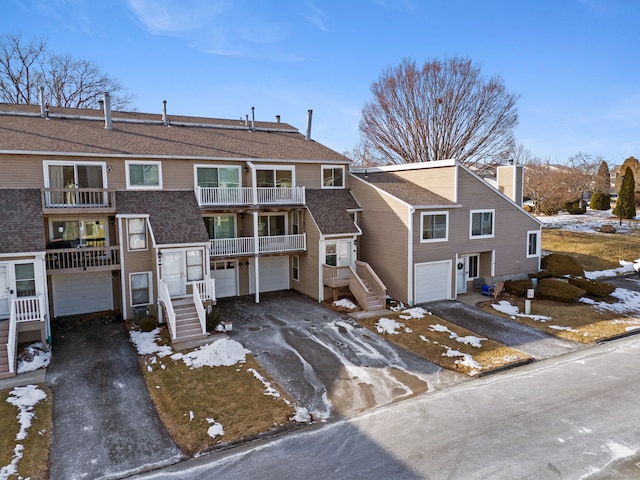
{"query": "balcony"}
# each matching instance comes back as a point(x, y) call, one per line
point(83, 259)
point(78, 200)
point(247, 196)
point(244, 246)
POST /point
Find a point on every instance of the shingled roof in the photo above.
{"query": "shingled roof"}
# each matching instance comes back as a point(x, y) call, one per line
point(403, 189)
point(329, 210)
point(83, 131)
point(174, 215)
point(21, 221)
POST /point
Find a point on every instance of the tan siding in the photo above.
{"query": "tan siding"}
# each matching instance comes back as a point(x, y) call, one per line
point(309, 283)
point(134, 262)
point(384, 241)
point(438, 180)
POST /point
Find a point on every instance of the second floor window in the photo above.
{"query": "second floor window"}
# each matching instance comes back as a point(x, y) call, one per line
point(144, 175)
point(434, 227)
point(482, 223)
point(332, 177)
point(214, 177)
point(137, 234)
point(278, 178)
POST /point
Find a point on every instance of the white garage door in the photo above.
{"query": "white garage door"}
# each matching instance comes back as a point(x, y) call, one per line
point(432, 281)
point(274, 274)
point(226, 277)
point(81, 293)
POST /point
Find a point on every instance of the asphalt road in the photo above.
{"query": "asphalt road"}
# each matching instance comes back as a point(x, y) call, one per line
point(576, 416)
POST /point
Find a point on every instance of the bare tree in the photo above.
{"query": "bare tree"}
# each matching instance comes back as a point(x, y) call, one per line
point(67, 82)
point(446, 109)
point(361, 156)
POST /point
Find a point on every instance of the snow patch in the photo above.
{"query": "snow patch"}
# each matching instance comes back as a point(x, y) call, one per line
point(145, 343)
point(222, 352)
point(507, 308)
point(215, 429)
point(33, 358)
point(302, 415)
point(345, 303)
point(415, 312)
point(269, 390)
point(387, 325)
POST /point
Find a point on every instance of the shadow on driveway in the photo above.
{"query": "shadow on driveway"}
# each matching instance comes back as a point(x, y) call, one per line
point(104, 423)
point(328, 362)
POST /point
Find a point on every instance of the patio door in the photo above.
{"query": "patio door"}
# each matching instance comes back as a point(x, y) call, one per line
point(173, 273)
point(5, 291)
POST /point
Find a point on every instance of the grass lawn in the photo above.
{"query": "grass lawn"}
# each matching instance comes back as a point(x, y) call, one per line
point(189, 400)
point(35, 461)
point(594, 251)
point(578, 321)
point(447, 345)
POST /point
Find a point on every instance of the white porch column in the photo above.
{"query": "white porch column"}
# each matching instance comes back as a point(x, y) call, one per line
point(256, 252)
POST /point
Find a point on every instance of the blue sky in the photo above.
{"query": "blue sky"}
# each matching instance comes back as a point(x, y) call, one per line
point(574, 63)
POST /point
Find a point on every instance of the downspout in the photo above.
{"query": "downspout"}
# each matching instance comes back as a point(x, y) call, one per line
point(123, 296)
point(410, 266)
point(254, 187)
point(321, 252)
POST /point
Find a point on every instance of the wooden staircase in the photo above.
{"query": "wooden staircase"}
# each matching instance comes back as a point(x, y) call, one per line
point(372, 302)
point(4, 355)
point(188, 329)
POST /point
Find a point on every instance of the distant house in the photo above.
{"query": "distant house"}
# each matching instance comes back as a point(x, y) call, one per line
point(431, 229)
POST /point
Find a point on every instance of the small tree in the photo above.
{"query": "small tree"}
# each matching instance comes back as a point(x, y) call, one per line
point(626, 206)
point(601, 196)
point(631, 162)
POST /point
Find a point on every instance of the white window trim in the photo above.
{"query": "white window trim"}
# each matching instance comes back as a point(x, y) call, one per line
point(280, 167)
point(127, 163)
point(297, 259)
point(276, 214)
point(433, 240)
point(493, 223)
point(46, 163)
point(146, 236)
point(332, 187)
point(538, 246)
point(200, 165)
point(150, 280)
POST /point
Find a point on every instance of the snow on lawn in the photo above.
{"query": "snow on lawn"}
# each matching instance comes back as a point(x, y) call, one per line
point(25, 399)
point(32, 358)
point(345, 303)
point(467, 340)
point(390, 326)
point(222, 352)
point(269, 390)
point(215, 429)
point(145, 343)
point(467, 360)
point(513, 311)
point(415, 312)
point(628, 302)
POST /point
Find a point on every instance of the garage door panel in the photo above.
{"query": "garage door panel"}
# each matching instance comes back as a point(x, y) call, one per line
point(274, 274)
point(226, 277)
point(82, 293)
point(432, 281)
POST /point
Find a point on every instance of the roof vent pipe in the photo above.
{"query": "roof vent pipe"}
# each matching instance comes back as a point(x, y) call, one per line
point(246, 119)
point(165, 122)
point(253, 118)
point(277, 118)
point(309, 115)
point(107, 111)
point(43, 107)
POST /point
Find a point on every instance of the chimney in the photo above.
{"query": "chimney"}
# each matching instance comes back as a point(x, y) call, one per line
point(43, 107)
point(165, 122)
point(277, 118)
point(253, 118)
point(107, 111)
point(309, 115)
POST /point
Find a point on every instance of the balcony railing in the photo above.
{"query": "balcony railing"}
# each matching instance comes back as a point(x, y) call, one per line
point(84, 258)
point(78, 198)
point(242, 196)
point(243, 246)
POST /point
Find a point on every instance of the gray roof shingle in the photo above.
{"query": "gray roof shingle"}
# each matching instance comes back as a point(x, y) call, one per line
point(21, 221)
point(174, 215)
point(329, 210)
point(403, 189)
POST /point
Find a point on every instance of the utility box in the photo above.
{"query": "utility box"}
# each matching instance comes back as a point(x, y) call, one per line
point(139, 313)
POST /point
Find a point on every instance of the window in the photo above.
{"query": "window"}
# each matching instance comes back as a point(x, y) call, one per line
point(195, 271)
point(73, 233)
point(228, 177)
point(140, 286)
point(331, 255)
point(482, 223)
point(221, 226)
point(61, 175)
point(295, 267)
point(533, 243)
point(143, 175)
point(434, 227)
point(271, 225)
point(295, 223)
point(137, 234)
point(332, 177)
point(278, 177)
point(25, 280)
point(472, 266)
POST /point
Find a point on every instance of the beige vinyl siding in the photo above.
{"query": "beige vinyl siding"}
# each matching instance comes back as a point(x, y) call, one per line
point(21, 171)
point(384, 243)
point(135, 262)
point(309, 276)
point(441, 180)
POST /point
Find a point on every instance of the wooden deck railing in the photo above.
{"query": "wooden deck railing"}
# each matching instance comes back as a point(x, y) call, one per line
point(335, 277)
point(84, 258)
point(363, 270)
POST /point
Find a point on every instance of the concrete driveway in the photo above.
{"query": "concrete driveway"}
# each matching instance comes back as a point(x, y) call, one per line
point(527, 339)
point(327, 361)
point(104, 423)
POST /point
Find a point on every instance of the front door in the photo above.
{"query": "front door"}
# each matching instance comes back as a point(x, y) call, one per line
point(344, 248)
point(173, 273)
point(5, 291)
point(461, 274)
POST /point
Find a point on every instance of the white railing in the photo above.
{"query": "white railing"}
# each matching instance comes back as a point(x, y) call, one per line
point(83, 258)
point(249, 196)
point(282, 243)
point(23, 309)
point(202, 315)
point(224, 247)
point(78, 198)
point(206, 288)
point(165, 299)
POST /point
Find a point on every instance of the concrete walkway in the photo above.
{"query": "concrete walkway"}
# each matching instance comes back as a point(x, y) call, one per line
point(104, 423)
